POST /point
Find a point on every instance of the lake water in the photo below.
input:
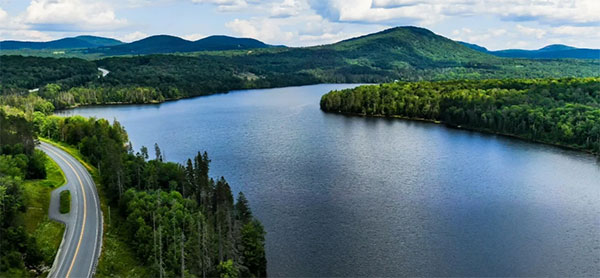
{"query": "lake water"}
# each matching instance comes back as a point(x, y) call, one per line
point(351, 196)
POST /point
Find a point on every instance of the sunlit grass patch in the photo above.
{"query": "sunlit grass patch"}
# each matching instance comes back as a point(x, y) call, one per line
point(65, 201)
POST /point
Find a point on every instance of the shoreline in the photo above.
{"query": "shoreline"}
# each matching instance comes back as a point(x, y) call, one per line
point(450, 125)
point(459, 127)
point(156, 102)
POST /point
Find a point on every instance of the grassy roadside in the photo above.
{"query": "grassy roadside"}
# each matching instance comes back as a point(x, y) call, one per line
point(117, 258)
point(65, 201)
point(47, 233)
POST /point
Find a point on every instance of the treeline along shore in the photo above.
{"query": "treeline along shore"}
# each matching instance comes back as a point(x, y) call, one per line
point(563, 112)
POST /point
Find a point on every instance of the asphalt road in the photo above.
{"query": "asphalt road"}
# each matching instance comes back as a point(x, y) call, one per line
point(80, 248)
point(105, 72)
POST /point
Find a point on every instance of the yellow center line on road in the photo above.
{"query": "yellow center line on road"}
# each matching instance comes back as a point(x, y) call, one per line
point(84, 210)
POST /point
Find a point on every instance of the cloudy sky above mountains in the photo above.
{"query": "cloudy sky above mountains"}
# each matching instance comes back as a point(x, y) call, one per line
point(495, 24)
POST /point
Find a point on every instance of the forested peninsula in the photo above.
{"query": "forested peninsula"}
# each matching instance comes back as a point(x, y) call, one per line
point(564, 112)
point(163, 219)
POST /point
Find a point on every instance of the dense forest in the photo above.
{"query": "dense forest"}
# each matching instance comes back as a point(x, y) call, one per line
point(19, 74)
point(407, 54)
point(19, 161)
point(556, 111)
point(177, 219)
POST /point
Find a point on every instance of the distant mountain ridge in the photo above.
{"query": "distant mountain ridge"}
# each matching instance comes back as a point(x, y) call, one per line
point(65, 43)
point(553, 51)
point(405, 43)
point(151, 45)
point(171, 44)
point(402, 53)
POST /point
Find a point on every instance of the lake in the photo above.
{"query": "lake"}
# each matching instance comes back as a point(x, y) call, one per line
point(352, 196)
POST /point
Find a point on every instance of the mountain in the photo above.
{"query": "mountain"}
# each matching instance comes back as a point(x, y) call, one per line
point(172, 44)
point(65, 43)
point(149, 45)
point(228, 43)
point(556, 47)
point(406, 46)
point(553, 51)
point(474, 46)
point(402, 53)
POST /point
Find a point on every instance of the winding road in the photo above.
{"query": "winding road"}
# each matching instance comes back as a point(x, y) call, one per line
point(104, 72)
point(80, 248)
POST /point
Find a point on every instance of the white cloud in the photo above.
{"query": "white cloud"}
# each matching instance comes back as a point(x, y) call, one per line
point(193, 37)
point(71, 15)
point(137, 35)
point(225, 5)
point(495, 24)
point(364, 11)
point(536, 32)
point(24, 34)
point(481, 37)
point(586, 31)
point(288, 8)
point(550, 12)
point(12, 29)
point(302, 30)
point(3, 15)
point(264, 29)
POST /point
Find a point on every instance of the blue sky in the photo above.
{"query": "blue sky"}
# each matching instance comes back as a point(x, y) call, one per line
point(496, 24)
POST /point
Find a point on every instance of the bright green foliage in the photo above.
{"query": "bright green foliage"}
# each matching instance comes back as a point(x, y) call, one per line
point(253, 249)
point(65, 201)
point(192, 212)
point(556, 111)
point(227, 270)
point(29, 104)
point(19, 252)
point(47, 233)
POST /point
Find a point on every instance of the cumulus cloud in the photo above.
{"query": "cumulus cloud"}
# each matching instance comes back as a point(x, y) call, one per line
point(12, 28)
point(364, 11)
point(66, 15)
point(288, 8)
point(261, 28)
point(3, 15)
point(193, 37)
point(225, 5)
point(550, 12)
point(504, 23)
point(24, 34)
point(134, 36)
point(305, 30)
point(587, 31)
point(536, 32)
point(468, 35)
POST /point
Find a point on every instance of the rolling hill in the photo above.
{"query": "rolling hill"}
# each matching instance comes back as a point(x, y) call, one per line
point(406, 46)
point(402, 53)
point(554, 51)
point(171, 44)
point(65, 43)
point(92, 46)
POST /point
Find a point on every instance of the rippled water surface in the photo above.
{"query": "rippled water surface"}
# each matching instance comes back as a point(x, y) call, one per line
point(358, 196)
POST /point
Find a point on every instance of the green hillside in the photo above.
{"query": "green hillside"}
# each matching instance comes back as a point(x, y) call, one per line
point(403, 53)
point(65, 43)
point(416, 46)
point(170, 44)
